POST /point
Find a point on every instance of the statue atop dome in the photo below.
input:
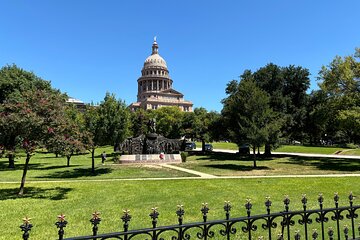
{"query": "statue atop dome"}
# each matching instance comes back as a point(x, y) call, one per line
point(155, 47)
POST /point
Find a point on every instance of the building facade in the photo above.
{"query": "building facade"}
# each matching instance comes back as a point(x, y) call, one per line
point(155, 86)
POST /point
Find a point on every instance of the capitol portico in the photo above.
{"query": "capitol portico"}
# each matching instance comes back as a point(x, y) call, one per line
point(155, 86)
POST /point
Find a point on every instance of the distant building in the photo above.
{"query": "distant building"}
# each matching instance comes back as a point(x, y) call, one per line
point(78, 103)
point(155, 86)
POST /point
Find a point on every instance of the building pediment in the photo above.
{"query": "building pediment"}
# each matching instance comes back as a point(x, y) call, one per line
point(172, 91)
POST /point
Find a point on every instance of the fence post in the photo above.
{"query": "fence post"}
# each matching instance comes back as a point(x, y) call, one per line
point(154, 216)
point(322, 215)
point(227, 209)
point(286, 220)
point(248, 207)
point(204, 211)
point(126, 217)
point(337, 216)
point(180, 213)
point(268, 205)
point(61, 224)
point(95, 221)
point(352, 214)
point(26, 227)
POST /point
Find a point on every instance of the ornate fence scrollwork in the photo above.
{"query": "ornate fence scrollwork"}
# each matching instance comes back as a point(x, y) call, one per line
point(274, 225)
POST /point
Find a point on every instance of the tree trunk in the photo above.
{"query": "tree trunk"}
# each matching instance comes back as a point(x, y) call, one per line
point(93, 160)
point(26, 166)
point(68, 160)
point(254, 156)
point(11, 157)
point(203, 145)
point(267, 150)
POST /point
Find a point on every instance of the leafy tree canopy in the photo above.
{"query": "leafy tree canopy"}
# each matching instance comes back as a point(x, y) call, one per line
point(15, 80)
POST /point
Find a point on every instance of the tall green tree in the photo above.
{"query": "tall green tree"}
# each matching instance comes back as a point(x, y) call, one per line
point(168, 121)
point(67, 138)
point(114, 117)
point(340, 80)
point(139, 120)
point(201, 126)
point(94, 131)
point(287, 88)
point(14, 81)
point(248, 114)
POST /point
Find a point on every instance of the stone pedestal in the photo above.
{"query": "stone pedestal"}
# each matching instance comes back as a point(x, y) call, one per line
point(149, 158)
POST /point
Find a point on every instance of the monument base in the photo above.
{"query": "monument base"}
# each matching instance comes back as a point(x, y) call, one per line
point(149, 158)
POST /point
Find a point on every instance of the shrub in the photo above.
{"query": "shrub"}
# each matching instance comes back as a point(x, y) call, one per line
point(116, 157)
point(184, 155)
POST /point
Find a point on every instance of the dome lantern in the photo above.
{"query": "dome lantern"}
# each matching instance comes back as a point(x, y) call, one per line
point(155, 47)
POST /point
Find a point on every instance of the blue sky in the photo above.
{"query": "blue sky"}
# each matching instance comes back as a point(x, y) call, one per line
point(88, 47)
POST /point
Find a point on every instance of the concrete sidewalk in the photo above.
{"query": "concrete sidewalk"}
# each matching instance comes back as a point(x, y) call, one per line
point(200, 174)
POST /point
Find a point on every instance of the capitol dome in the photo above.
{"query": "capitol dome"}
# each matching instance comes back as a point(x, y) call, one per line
point(155, 60)
point(155, 86)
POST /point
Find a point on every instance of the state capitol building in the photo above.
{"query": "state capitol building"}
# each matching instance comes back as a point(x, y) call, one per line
point(155, 86)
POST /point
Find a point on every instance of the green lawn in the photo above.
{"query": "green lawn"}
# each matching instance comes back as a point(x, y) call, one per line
point(43, 201)
point(77, 200)
point(351, 152)
point(48, 167)
point(292, 148)
point(309, 149)
point(227, 164)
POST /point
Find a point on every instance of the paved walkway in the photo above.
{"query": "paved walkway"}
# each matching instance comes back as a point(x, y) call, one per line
point(200, 174)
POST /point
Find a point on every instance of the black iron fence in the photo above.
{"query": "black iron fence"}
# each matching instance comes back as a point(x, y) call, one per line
point(332, 223)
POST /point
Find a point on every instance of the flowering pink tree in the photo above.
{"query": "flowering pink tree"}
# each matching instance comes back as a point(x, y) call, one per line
point(30, 120)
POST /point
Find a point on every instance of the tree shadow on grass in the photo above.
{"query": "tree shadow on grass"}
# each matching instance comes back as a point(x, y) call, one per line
point(218, 156)
point(56, 167)
point(77, 172)
point(4, 166)
point(236, 167)
point(334, 164)
point(222, 156)
point(57, 193)
point(37, 166)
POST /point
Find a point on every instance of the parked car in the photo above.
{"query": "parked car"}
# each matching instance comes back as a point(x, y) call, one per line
point(208, 147)
point(244, 149)
point(190, 146)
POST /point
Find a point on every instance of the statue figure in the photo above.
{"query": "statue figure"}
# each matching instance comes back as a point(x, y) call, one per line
point(152, 125)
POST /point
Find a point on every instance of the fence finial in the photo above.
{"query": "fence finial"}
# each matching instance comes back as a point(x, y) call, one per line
point(26, 227)
point(126, 217)
point(180, 213)
point(61, 224)
point(154, 214)
point(95, 221)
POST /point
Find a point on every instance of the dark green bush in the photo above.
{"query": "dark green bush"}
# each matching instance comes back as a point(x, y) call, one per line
point(184, 155)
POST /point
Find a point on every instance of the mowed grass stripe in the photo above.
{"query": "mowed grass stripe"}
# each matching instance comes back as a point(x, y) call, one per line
point(44, 201)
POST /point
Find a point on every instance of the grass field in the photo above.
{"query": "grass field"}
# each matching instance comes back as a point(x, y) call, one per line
point(48, 167)
point(292, 148)
point(226, 164)
point(44, 201)
point(109, 193)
